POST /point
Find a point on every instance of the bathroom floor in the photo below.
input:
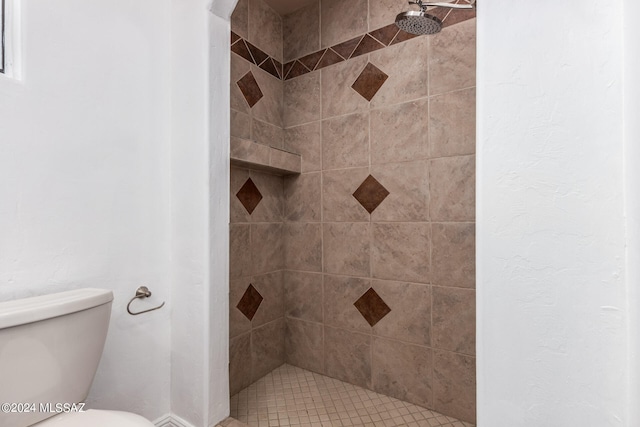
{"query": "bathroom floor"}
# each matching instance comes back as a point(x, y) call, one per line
point(291, 396)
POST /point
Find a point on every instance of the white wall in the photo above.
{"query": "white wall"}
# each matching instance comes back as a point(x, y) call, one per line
point(84, 145)
point(200, 191)
point(113, 174)
point(189, 212)
point(219, 175)
point(552, 296)
point(106, 180)
point(632, 178)
point(191, 274)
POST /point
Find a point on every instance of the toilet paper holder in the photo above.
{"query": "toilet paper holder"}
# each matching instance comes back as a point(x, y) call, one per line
point(142, 292)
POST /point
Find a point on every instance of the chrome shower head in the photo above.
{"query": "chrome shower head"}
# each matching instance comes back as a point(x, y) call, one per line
point(419, 23)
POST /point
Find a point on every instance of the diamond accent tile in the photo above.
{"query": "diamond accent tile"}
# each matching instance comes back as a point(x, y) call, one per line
point(370, 194)
point(250, 89)
point(250, 302)
point(370, 81)
point(249, 196)
point(372, 307)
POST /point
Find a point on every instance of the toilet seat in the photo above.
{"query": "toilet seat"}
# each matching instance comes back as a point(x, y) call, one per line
point(96, 418)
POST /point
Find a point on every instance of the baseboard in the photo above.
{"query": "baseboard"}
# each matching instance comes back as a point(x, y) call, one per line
point(171, 420)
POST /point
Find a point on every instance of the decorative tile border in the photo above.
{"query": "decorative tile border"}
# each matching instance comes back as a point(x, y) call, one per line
point(369, 42)
point(251, 53)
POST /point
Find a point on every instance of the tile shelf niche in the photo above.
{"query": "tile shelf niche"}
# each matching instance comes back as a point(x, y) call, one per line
point(252, 155)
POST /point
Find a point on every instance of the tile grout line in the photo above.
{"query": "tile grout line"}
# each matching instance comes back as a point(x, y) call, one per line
point(385, 337)
point(370, 231)
point(429, 192)
point(385, 106)
point(322, 218)
point(380, 279)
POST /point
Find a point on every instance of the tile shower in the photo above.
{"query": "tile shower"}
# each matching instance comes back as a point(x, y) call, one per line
point(360, 267)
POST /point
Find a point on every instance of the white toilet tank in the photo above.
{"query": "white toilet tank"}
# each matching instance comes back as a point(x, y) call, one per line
point(50, 347)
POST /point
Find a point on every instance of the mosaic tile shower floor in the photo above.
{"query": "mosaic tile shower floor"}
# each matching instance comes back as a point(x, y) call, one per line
point(291, 396)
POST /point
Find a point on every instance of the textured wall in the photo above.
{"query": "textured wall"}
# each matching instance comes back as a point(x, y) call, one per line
point(632, 197)
point(378, 232)
point(105, 184)
point(553, 302)
point(83, 168)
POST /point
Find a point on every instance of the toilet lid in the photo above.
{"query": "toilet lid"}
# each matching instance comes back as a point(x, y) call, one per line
point(96, 418)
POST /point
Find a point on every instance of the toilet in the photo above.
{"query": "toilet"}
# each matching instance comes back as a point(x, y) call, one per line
point(50, 347)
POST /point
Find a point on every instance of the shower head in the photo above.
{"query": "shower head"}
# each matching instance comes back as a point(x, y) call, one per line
point(420, 22)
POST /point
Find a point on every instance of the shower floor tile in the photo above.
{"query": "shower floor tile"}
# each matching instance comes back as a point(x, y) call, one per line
point(291, 396)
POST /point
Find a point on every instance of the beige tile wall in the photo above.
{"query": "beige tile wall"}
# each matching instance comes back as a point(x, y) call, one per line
point(311, 244)
point(256, 240)
point(256, 257)
point(257, 23)
point(417, 248)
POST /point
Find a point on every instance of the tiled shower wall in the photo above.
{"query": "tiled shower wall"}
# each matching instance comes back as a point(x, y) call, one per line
point(378, 232)
point(258, 24)
point(257, 327)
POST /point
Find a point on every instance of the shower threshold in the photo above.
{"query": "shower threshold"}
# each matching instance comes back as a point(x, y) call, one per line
point(291, 396)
